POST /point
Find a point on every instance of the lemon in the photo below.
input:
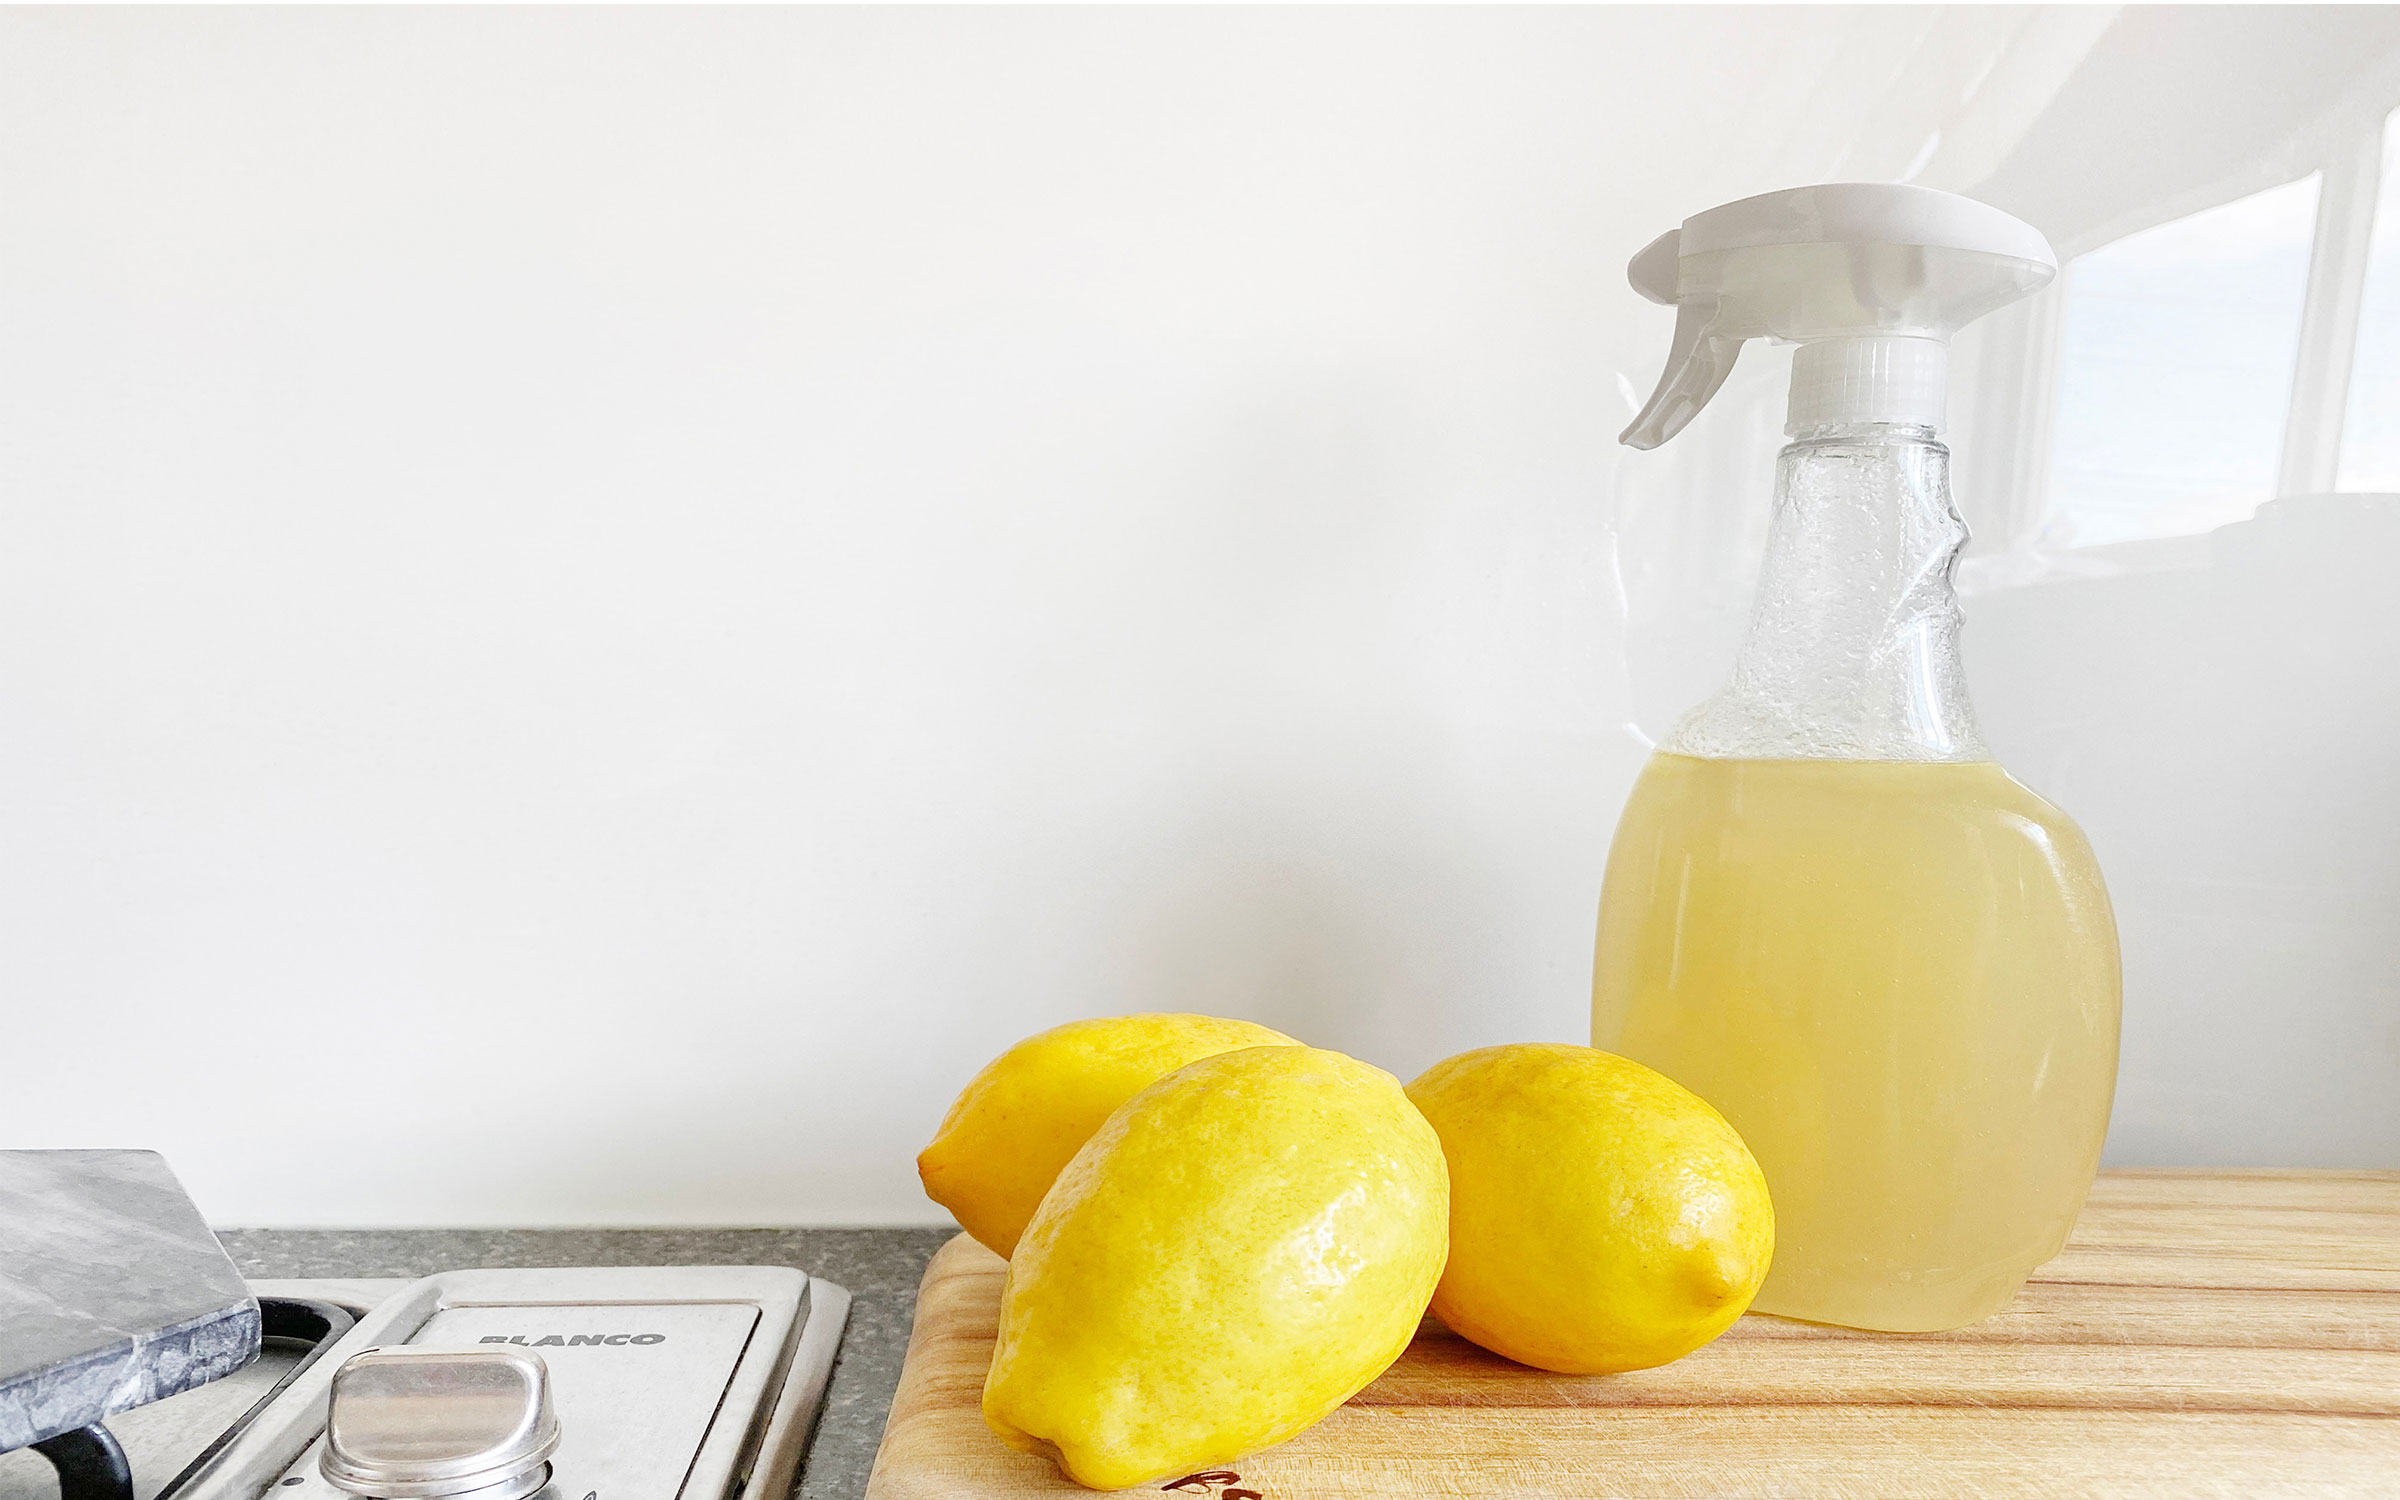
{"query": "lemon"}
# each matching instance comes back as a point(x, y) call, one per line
point(1238, 1251)
point(1602, 1216)
point(1027, 1113)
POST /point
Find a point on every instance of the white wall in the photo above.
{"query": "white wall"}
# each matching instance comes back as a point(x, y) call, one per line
point(595, 607)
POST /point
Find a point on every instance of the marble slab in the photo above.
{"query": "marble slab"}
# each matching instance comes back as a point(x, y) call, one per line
point(113, 1293)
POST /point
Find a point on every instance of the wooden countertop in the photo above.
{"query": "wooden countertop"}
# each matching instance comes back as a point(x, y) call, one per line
point(2222, 1332)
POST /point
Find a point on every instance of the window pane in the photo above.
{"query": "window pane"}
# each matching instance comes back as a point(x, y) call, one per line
point(2371, 425)
point(2175, 371)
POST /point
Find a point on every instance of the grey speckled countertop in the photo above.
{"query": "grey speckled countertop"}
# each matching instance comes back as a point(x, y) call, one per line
point(881, 1267)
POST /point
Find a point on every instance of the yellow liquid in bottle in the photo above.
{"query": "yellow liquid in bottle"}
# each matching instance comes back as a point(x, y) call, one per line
point(1899, 982)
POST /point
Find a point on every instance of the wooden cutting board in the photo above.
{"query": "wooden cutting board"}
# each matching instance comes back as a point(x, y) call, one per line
point(2218, 1333)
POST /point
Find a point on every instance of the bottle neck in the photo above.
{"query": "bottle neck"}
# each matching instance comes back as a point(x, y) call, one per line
point(1853, 646)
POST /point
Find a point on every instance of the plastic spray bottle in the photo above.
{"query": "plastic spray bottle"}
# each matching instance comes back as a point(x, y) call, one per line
point(1828, 911)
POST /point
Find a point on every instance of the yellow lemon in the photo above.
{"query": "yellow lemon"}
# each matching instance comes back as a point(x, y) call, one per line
point(1602, 1216)
point(1031, 1109)
point(1238, 1251)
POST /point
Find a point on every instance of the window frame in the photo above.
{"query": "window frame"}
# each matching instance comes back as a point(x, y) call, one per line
point(2329, 311)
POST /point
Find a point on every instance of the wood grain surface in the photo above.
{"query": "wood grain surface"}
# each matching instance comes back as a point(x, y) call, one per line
point(2205, 1333)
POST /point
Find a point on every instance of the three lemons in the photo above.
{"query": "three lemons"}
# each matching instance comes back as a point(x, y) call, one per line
point(1217, 1235)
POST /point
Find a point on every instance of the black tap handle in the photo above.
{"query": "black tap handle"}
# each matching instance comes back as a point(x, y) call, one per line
point(90, 1464)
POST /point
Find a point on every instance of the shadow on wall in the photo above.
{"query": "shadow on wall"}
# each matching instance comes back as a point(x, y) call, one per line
point(2227, 734)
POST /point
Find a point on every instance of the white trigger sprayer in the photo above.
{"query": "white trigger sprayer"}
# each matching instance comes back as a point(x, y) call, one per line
point(1870, 279)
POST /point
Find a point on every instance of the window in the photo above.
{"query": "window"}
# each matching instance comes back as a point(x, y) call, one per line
point(2244, 353)
point(2175, 371)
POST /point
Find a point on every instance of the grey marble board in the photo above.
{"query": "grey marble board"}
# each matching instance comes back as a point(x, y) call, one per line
point(113, 1293)
point(159, 1439)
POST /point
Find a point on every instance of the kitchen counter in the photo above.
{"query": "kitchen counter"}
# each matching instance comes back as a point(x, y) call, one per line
point(881, 1267)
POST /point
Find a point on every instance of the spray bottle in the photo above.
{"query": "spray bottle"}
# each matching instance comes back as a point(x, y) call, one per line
point(1828, 911)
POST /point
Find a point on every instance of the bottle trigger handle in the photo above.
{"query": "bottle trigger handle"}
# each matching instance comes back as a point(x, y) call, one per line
point(1697, 361)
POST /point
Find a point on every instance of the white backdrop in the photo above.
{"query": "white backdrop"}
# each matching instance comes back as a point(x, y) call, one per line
point(596, 607)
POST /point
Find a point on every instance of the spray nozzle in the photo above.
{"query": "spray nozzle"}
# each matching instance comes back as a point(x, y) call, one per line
point(1870, 279)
